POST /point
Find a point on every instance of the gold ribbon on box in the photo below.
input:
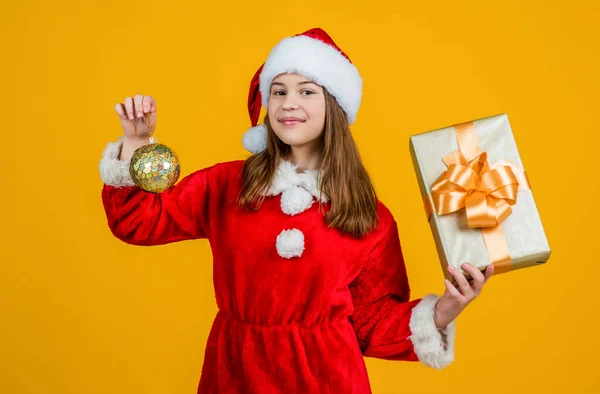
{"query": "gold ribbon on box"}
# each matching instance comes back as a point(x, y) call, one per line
point(485, 191)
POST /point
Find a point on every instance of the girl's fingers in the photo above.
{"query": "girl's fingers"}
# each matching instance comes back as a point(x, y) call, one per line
point(152, 120)
point(120, 108)
point(478, 278)
point(129, 107)
point(451, 289)
point(463, 284)
point(137, 106)
point(489, 271)
point(147, 103)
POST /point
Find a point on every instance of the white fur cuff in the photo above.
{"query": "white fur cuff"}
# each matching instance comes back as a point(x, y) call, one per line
point(115, 172)
point(427, 340)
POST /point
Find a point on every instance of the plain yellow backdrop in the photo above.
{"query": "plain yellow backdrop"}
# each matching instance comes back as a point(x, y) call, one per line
point(83, 313)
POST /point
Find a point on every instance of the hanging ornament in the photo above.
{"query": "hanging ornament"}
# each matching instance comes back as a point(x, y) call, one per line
point(154, 167)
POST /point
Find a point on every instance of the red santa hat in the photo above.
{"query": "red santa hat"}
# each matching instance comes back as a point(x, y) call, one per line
point(315, 55)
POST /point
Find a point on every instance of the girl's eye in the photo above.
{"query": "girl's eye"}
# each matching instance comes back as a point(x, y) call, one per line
point(281, 92)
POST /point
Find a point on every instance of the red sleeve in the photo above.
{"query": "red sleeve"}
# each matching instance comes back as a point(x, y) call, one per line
point(387, 323)
point(143, 218)
point(381, 295)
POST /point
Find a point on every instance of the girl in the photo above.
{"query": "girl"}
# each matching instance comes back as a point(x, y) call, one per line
point(308, 269)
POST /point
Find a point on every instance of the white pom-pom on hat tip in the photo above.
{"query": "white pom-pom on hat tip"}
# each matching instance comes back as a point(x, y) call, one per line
point(255, 139)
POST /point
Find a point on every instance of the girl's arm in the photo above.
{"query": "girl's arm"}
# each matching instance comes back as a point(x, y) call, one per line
point(387, 323)
point(143, 218)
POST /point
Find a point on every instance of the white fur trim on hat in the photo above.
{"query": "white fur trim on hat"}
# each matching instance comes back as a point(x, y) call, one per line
point(255, 139)
point(428, 343)
point(319, 62)
point(115, 172)
point(290, 243)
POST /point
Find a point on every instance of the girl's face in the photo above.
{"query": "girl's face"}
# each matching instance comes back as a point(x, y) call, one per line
point(296, 110)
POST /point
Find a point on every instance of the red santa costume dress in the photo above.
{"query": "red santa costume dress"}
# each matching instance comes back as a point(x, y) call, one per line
point(300, 304)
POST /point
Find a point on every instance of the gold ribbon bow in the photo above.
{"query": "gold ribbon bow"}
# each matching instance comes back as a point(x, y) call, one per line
point(485, 191)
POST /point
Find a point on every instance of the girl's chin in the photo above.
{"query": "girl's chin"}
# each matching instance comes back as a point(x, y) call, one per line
point(294, 138)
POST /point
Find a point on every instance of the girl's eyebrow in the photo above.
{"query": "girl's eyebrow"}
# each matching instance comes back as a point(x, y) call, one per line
point(299, 83)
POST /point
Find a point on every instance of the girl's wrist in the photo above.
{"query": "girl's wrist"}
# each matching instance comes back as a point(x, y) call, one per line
point(440, 323)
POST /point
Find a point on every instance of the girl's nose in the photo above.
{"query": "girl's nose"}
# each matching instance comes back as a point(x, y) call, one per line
point(290, 102)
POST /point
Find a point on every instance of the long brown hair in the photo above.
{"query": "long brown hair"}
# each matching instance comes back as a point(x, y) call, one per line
point(344, 179)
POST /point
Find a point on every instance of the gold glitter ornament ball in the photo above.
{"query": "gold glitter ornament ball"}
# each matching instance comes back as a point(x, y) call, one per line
point(154, 167)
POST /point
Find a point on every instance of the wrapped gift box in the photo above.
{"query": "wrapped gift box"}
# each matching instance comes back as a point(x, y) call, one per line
point(474, 170)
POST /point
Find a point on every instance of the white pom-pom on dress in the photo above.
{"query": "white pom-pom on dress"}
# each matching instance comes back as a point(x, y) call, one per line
point(290, 243)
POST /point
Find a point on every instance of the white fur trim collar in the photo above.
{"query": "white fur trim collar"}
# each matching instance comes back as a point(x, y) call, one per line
point(287, 177)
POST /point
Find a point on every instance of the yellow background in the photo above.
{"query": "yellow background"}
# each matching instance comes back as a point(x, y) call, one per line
point(83, 313)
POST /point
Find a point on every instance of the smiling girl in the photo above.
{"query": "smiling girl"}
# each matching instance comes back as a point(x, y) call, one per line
point(308, 269)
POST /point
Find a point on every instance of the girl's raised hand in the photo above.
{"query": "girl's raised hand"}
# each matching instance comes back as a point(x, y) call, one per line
point(138, 117)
